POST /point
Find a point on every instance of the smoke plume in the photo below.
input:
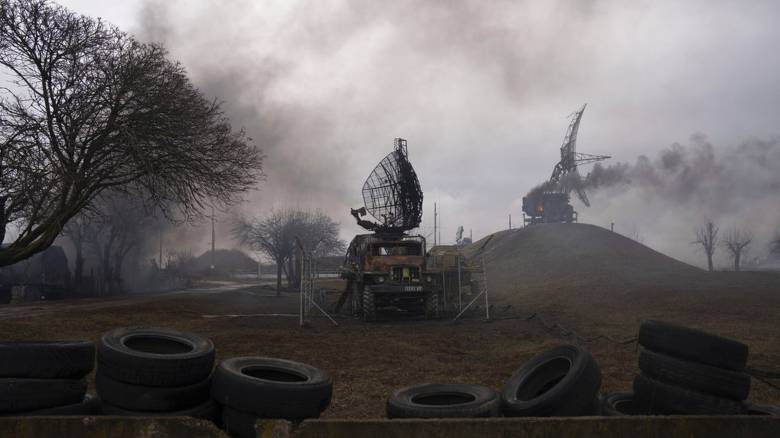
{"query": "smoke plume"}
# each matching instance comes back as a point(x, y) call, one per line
point(685, 185)
point(481, 90)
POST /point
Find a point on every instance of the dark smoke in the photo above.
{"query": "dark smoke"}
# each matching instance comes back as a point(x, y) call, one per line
point(481, 92)
point(684, 185)
point(696, 173)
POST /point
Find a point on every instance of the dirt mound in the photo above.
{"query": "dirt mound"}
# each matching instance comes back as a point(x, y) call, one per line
point(577, 253)
point(586, 263)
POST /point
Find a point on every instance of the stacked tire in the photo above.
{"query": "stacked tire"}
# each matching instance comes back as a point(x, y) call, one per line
point(563, 381)
point(46, 378)
point(252, 388)
point(155, 372)
point(687, 371)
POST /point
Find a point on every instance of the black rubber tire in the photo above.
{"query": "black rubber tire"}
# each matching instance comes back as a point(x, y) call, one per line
point(754, 409)
point(88, 406)
point(151, 398)
point(208, 410)
point(562, 381)
point(272, 388)
point(238, 424)
point(20, 395)
point(369, 305)
point(655, 397)
point(695, 345)
point(46, 359)
point(452, 400)
point(618, 404)
point(692, 375)
point(173, 358)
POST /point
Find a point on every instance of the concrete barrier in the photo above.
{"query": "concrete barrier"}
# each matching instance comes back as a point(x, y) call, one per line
point(108, 427)
point(580, 427)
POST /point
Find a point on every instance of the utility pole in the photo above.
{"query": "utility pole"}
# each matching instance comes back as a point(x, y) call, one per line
point(435, 216)
point(213, 238)
point(510, 221)
point(440, 227)
point(160, 259)
point(612, 227)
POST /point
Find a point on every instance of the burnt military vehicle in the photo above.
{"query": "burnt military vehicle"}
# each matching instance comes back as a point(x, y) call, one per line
point(549, 202)
point(386, 269)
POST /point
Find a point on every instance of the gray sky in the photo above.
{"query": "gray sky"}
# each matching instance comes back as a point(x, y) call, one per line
point(481, 91)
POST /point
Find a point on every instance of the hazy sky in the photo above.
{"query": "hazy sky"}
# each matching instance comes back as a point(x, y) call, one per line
point(481, 91)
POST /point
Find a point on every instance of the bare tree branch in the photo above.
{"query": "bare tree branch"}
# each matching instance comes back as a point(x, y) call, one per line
point(275, 234)
point(90, 109)
point(737, 241)
point(707, 237)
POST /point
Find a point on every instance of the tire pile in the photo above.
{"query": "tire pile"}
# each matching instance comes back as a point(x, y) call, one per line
point(251, 388)
point(155, 372)
point(46, 378)
point(687, 372)
point(562, 381)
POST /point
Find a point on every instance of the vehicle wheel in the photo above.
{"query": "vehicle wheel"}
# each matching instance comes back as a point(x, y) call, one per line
point(656, 397)
point(89, 405)
point(272, 388)
point(369, 305)
point(443, 401)
point(208, 410)
point(704, 378)
point(19, 395)
point(151, 398)
point(562, 381)
point(617, 404)
point(694, 345)
point(155, 357)
point(47, 359)
point(432, 306)
point(754, 409)
point(238, 424)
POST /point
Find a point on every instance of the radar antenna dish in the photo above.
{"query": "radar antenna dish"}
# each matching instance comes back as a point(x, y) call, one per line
point(392, 194)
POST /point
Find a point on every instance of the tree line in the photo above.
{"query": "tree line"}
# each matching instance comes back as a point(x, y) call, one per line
point(735, 241)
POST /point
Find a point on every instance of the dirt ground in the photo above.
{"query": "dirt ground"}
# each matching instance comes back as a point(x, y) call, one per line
point(369, 361)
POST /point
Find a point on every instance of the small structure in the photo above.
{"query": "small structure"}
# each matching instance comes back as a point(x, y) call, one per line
point(461, 279)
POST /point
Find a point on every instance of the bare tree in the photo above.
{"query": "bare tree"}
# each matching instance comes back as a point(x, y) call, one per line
point(88, 109)
point(707, 237)
point(77, 231)
point(774, 245)
point(275, 234)
point(737, 241)
point(110, 230)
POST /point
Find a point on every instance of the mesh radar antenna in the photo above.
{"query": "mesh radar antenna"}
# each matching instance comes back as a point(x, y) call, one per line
point(392, 194)
point(565, 177)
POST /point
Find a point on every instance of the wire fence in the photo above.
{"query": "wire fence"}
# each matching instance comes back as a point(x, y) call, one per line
point(763, 376)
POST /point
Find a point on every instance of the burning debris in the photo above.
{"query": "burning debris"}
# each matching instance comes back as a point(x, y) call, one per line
point(549, 202)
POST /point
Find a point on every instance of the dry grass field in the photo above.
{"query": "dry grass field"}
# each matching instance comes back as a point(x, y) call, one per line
point(369, 361)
